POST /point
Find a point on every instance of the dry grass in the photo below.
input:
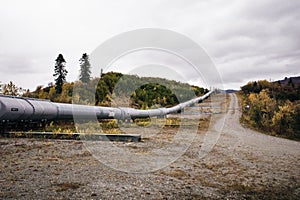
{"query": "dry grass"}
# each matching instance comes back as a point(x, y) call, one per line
point(60, 187)
point(176, 173)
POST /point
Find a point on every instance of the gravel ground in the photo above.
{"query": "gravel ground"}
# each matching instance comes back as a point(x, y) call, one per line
point(225, 162)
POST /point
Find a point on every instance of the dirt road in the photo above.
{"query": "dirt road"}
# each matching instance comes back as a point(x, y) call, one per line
point(234, 163)
point(252, 163)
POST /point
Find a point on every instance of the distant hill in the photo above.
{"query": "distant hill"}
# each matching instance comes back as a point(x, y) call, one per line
point(228, 91)
point(231, 91)
point(291, 80)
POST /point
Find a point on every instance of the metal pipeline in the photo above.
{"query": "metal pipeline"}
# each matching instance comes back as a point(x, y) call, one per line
point(16, 109)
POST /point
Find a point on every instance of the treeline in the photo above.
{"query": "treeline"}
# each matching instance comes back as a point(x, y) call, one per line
point(115, 89)
point(272, 107)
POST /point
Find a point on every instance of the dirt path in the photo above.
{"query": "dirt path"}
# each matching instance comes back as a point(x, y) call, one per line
point(243, 164)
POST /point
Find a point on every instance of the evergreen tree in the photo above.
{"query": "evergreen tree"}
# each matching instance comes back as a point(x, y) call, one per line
point(60, 73)
point(85, 72)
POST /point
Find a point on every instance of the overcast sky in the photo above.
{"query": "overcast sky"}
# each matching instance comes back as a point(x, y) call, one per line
point(246, 39)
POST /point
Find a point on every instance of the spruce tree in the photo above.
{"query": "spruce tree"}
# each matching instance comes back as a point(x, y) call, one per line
point(60, 73)
point(85, 71)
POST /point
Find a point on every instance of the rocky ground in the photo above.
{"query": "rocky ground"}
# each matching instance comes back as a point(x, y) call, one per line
point(226, 161)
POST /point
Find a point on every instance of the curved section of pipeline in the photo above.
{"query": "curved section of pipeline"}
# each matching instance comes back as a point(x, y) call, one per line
point(18, 109)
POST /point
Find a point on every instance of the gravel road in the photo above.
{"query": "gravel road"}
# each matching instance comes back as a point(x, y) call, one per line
point(227, 161)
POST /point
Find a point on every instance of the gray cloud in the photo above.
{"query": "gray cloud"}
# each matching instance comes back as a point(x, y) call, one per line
point(16, 64)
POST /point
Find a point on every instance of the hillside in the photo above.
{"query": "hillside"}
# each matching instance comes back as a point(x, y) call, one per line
point(116, 89)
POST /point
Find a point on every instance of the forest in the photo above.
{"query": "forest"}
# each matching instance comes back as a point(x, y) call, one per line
point(272, 107)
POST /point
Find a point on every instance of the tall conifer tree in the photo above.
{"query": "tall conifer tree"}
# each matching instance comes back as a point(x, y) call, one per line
point(85, 68)
point(60, 73)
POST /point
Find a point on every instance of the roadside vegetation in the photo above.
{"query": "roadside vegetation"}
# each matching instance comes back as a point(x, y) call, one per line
point(272, 107)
